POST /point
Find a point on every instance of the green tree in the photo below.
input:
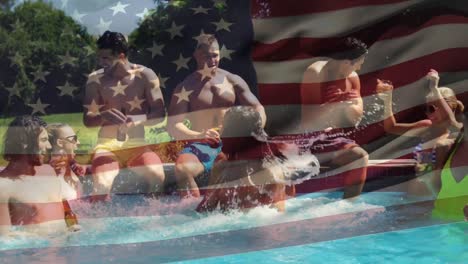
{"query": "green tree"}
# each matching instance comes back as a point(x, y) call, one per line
point(40, 49)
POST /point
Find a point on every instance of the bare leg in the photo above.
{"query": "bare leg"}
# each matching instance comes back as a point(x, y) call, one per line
point(355, 162)
point(188, 167)
point(150, 166)
point(104, 168)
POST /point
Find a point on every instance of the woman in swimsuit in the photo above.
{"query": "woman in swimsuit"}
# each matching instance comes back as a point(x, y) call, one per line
point(435, 132)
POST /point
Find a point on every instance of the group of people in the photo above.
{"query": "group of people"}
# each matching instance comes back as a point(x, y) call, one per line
point(226, 149)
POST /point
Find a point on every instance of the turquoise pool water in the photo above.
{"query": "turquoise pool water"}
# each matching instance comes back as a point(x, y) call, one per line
point(376, 227)
point(435, 244)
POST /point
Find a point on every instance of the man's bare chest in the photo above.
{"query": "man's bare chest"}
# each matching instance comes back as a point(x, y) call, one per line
point(214, 94)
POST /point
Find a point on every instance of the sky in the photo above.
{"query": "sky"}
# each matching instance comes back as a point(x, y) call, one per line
point(100, 15)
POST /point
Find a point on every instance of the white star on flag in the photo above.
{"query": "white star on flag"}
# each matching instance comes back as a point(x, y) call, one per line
point(156, 49)
point(118, 8)
point(198, 38)
point(200, 10)
point(67, 60)
point(225, 53)
point(183, 95)
point(78, 16)
point(143, 14)
point(67, 89)
point(222, 25)
point(206, 72)
point(17, 59)
point(40, 75)
point(103, 25)
point(89, 51)
point(119, 89)
point(64, 3)
point(175, 30)
point(38, 107)
point(95, 77)
point(181, 62)
point(15, 90)
point(225, 87)
point(93, 108)
point(162, 81)
point(17, 25)
point(135, 103)
point(155, 91)
point(136, 72)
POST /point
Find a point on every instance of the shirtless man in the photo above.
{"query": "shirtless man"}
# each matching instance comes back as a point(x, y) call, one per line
point(203, 98)
point(64, 143)
point(331, 100)
point(31, 195)
point(122, 98)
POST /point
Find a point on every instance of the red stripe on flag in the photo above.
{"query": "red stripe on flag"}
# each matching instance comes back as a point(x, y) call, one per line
point(303, 48)
point(280, 8)
point(451, 60)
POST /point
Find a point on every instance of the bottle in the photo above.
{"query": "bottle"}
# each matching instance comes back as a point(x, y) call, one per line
point(70, 217)
point(122, 130)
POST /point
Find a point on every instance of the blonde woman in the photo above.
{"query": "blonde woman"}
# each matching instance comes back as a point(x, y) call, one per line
point(435, 133)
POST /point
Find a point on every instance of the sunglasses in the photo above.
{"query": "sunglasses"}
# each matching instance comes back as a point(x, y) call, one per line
point(71, 139)
point(430, 109)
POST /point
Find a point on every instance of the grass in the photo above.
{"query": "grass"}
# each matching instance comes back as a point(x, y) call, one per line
point(88, 136)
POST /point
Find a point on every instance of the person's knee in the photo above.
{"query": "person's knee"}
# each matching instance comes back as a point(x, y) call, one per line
point(360, 154)
point(103, 164)
point(187, 168)
point(156, 173)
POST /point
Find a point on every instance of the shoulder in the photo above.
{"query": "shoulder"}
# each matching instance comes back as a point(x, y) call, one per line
point(45, 170)
point(5, 188)
point(354, 75)
point(233, 78)
point(94, 78)
point(314, 70)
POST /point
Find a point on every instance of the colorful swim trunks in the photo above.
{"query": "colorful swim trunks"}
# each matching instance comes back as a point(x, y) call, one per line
point(205, 153)
point(124, 151)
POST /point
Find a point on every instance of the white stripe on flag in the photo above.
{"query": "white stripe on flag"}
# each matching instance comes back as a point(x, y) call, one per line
point(381, 55)
point(326, 24)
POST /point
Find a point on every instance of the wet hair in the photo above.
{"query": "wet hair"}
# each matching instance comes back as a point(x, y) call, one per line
point(206, 40)
point(54, 130)
point(114, 41)
point(243, 121)
point(21, 137)
point(350, 49)
point(451, 99)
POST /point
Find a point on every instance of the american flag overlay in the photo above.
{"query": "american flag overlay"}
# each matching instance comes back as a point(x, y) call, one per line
point(48, 51)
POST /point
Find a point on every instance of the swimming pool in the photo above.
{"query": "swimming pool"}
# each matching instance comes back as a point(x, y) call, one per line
point(378, 226)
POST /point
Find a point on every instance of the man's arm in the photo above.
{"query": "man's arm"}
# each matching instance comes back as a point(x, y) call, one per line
point(312, 106)
point(245, 97)
point(92, 102)
point(5, 220)
point(155, 100)
point(178, 110)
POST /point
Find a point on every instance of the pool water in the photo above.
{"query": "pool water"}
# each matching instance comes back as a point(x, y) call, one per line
point(378, 226)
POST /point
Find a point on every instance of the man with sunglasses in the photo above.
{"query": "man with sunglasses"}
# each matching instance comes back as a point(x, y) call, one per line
point(64, 142)
point(31, 194)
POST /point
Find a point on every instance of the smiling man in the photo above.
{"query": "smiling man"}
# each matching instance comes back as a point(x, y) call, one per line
point(31, 195)
point(203, 98)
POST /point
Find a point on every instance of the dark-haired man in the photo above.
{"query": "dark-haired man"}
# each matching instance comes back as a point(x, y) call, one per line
point(203, 98)
point(121, 98)
point(31, 195)
point(331, 100)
